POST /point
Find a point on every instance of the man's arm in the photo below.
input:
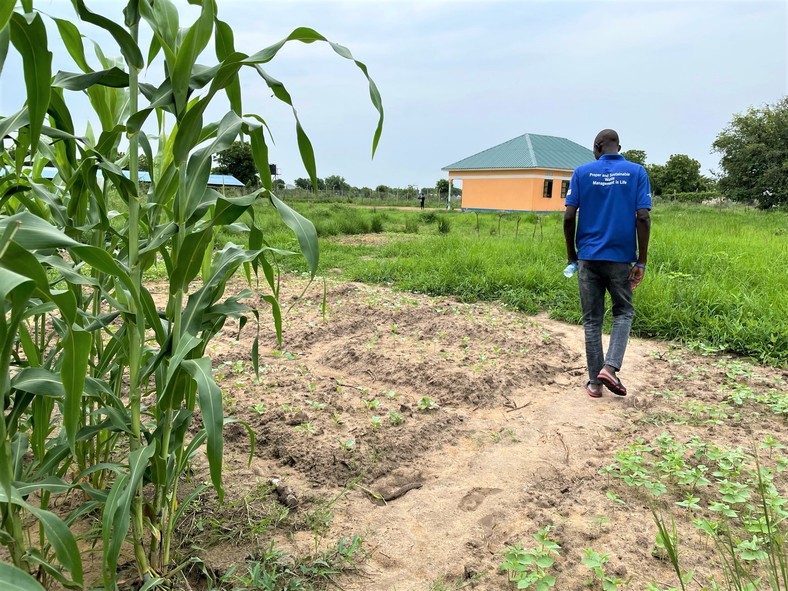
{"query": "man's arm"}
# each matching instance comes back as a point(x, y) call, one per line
point(643, 228)
point(570, 219)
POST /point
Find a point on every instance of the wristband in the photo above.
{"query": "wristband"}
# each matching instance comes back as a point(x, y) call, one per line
point(639, 266)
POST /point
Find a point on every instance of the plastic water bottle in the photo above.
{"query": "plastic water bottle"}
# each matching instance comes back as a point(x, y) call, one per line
point(570, 270)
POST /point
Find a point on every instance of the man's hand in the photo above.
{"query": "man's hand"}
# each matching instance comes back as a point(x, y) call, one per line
point(636, 276)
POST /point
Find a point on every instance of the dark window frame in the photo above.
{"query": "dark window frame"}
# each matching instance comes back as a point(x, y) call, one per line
point(547, 193)
point(564, 189)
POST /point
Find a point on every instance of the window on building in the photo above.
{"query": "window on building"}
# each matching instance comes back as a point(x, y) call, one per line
point(548, 188)
point(564, 189)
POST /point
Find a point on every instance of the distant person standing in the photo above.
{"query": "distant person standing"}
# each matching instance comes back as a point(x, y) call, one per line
point(421, 200)
point(609, 241)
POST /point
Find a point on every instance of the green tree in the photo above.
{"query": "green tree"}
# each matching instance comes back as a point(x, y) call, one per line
point(382, 189)
point(680, 174)
point(442, 187)
point(143, 163)
point(336, 183)
point(754, 155)
point(637, 156)
point(238, 161)
point(279, 184)
point(656, 176)
point(303, 183)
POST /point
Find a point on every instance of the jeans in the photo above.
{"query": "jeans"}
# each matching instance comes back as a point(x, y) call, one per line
point(594, 278)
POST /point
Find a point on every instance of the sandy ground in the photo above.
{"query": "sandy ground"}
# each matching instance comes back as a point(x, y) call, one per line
point(513, 444)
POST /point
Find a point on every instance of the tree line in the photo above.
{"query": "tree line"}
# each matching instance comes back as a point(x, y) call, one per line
point(753, 152)
point(237, 161)
point(680, 174)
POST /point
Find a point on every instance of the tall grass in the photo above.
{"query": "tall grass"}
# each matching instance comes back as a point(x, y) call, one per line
point(716, 277)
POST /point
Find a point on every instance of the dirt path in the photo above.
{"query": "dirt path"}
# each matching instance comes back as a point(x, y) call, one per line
point(506, 474)
point(513, 445)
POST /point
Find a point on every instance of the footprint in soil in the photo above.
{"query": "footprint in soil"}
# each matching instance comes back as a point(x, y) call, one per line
point(475, 497)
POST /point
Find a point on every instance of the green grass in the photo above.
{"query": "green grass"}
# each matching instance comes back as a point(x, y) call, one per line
point(716, 278)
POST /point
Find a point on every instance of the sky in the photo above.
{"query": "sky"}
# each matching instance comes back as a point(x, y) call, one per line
point(460, 76)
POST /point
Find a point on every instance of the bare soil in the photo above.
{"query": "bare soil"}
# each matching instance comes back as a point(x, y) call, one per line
point(513, 444)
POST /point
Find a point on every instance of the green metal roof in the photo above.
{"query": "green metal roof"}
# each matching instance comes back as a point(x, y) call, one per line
point(528, 151)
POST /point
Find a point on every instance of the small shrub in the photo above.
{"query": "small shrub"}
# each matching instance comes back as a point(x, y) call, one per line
point(353, 223)
point(443, 225)
point(376, 225)
point(429, 217)
point(326, 228)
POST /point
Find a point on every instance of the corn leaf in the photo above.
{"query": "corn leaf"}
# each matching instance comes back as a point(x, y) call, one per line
point(199, 166)
point(117, 511)
point(14, 122)
point(304, 145)
point(5, 39)
point(30, 39)
point(57, 532)
point(129, 49)
point(76, 354)
point(72, 39)
point(15, 579)
point(190, 257)
point(225, 46)
point(113, 77)
point(307, 35)
point(38, 380)
point(210, 397)
point(6, 10)
point(260, 155)
point(303, 229)
point(196, 39)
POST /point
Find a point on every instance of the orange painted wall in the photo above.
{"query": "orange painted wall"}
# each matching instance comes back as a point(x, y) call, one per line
point(511, 190)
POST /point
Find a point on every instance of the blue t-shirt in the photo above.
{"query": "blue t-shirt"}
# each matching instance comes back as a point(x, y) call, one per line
point(607, 193)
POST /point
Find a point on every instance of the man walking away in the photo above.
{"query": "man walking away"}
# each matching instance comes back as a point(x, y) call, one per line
point(610, 233)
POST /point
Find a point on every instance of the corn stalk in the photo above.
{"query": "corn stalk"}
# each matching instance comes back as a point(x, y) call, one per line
point(82, 341)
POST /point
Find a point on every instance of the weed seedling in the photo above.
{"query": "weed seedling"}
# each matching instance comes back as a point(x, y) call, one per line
point(347, 445)
point(316, 405)
point(375, 421)
point(596, 562)
point(372, 404)
point(305, 427)
point(259, 408)
point(771, 443)
point(527, 567)
point(426, 403)
point(395, 418)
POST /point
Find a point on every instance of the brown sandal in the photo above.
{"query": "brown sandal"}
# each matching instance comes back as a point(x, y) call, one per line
point(612, 384)
point(591, 393)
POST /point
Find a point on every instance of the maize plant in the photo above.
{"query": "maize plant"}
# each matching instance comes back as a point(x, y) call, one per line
point(99, 384)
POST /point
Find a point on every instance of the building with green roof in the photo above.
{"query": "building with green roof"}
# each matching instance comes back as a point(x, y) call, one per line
point(528, 173)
